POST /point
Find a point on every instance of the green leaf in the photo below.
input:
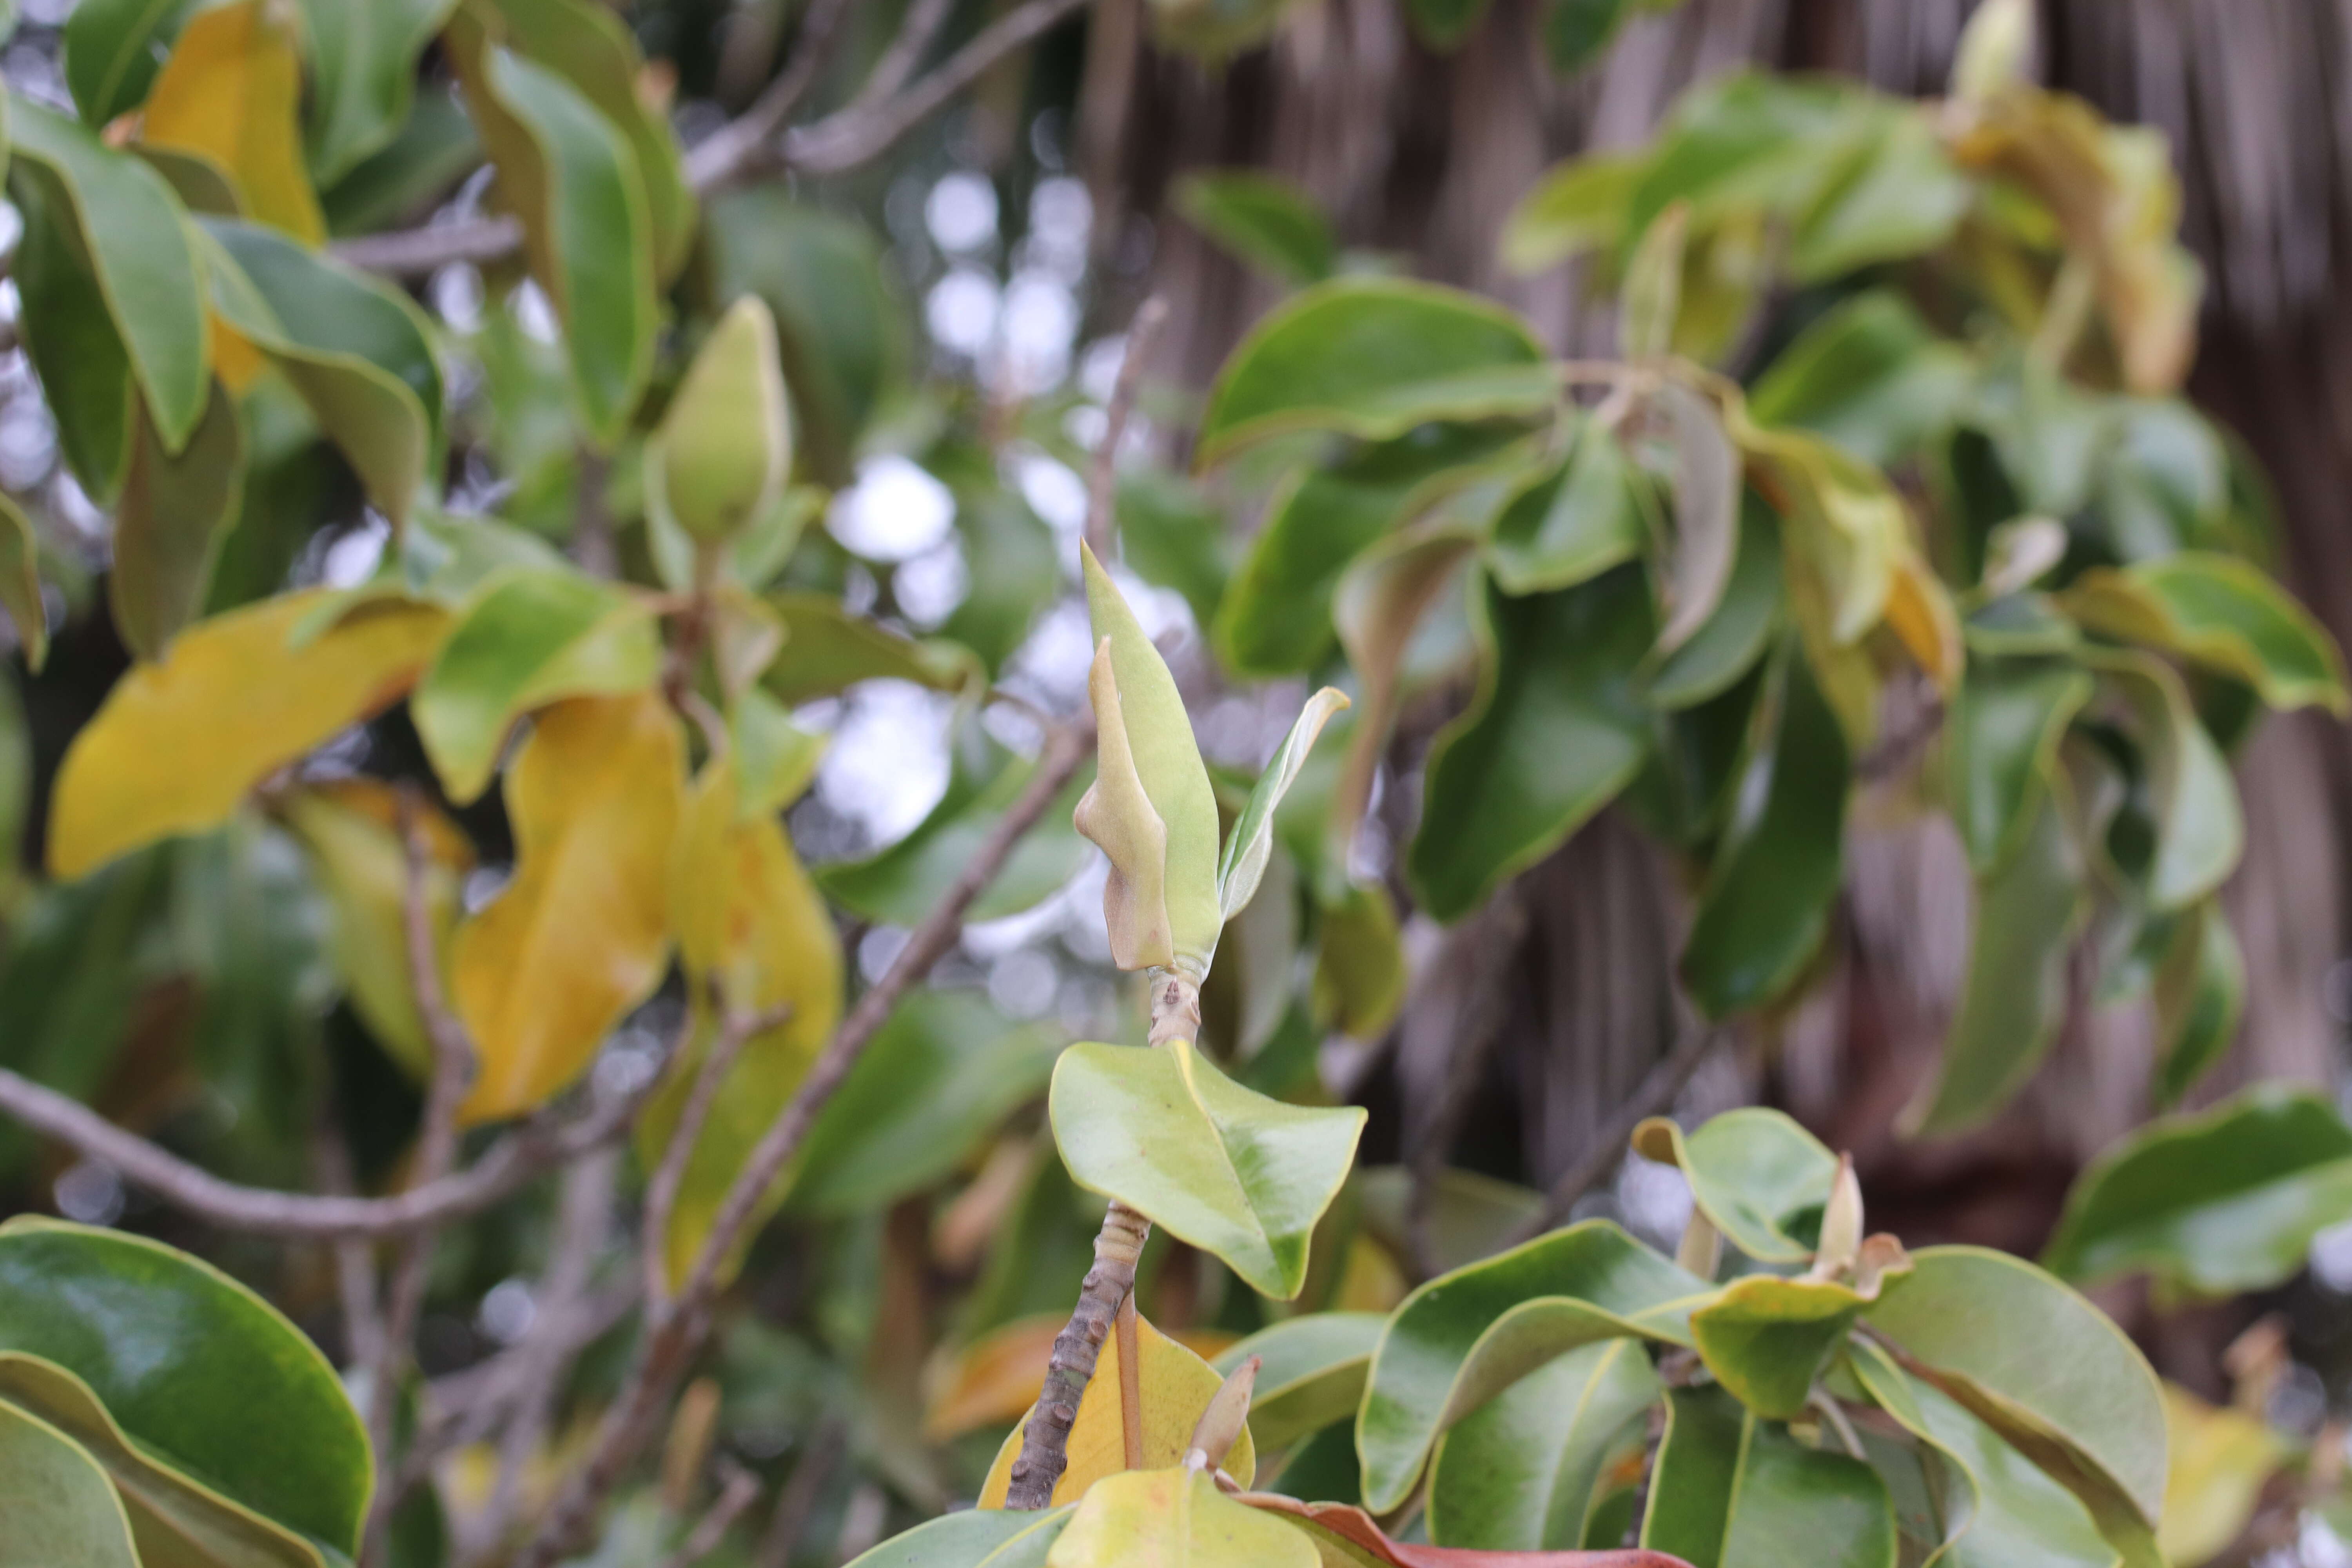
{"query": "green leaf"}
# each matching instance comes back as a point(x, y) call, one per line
point(169, 522)
point(1575, 32)
point(1180, 1518)
point(1869, 374)
point(2014, 998)
point(1521, 1473)
point(2222, 1201)
point(571, 176)
point(2006, 725)
point(724, 443)
point(1011, 570)
point(827, 650)
point(196, 1368)
point(1577, 207)
point(56, 1503)
point(2073, 1395)
point(359, 353)
point(1728, 645)
point(1242, 863)
point(1311, 1372)
point(1444, 24)
point(936, 1080)
point(363, 57)
point(1998, 1509)
point(2222, 613)
point(1551, 736)
point(527, 638)
point(1374, 358)
point(169, 1512)
point(1359, 980)
point(899, 884)
point(1766, 905)
point(129, 231)
point(2201, 995)
point(1266, 221)
point(1465, 1337)
point(775, 759)
point(1753, 1171)
point(1652, 300)
point(1150, 767)
point(1731, 1490)
point(1766, 1340)
point(113, 48)
point(1173, 536)
point(1706, 514)
point(1471, 1216)
point(1900, 195)
point(2199, 827)
point(1573, 522)
point(976, 1538)
point(1221, 1166)
point(437, 147)
point(68, 334)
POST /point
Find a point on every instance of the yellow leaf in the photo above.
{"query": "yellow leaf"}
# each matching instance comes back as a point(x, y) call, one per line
point(235, 360)
point(1921, 614)
point(1177, 1387)
point(2220, 1459)
point(179, 742)
point(1176, 1519)
point(582, 934)
point(231, 92)
point(750, 923)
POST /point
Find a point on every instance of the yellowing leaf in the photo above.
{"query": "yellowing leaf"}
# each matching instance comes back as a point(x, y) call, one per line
point(994, 1379)
point(1176, 1519)
point(178, 744)
point(750, 923)
point(1177, 1387)
point(2219, 1458)
point(580, 935)
point(231, 92)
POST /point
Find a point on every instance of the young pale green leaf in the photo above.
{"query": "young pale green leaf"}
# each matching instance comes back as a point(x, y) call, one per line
point(198, 1370)
point(1572, 522)
point(1520, 1473)
point(1995, 51)
point(527, 638)
point(1728, 645)
point(1374, 358)
point(1552, 736)
point(827, 650)
point(169, 522)
point(358, 352)
point(1242, 863)
point(2223, 614)
point(1898, 195)
point(165, 1505)
point(2200, 996)
point(2073, 1395)
point(1766, 1340)
point(1766, 905)
point(775, 759)
point(724, 443)
point(1116, 814)
point(363, 57)
point(230, 96)
point(1870, 375)
point(1465, 1337)
point(1753, 1171)
point(1175, 1518)
point(2006, 725)
point(1731, 1490)
point(2201, 830)
point(2015, 998)
point(1311, 1372)
point(2220, 1202)
point(1221, 1166)
point(57, 1504)
point(570, 174)
point(540, 974)
point(1577, 207)
point(1266, 221)
point(1653, 296)
point(113, 48)
point(134, 238)
point(232, 704)
point(975, 1538)
point(1146, 721)
point(936, 1080)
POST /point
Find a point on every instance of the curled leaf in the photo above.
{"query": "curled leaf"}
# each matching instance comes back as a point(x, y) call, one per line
point(1117, 815)
point(1251, 844)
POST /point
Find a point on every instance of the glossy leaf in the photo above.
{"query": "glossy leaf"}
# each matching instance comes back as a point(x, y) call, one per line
point(1151, 809)
point(2006, 726)
point(1728, 644)
point(2201, 830)
point(1766, 905)
point(358, 352)
point(724, 443)
point(2201, 997)
point(571, 177)
point(137, 244)
point(1311, 1372)
point(1572, 523)
point(1266, 221)
point(233, 703)
point(2223, 1201)
point(1177, 1386)
point(1731, 1490)
point(827, 650)
point(526, 639)
point(231, 94)
point(2222, 613)
point(2073, 1395)
point(1766, 1340)
point(1465, 1337)
point(1374, 358)
point(1753, 1171)
point(56, 1503)
point(1221, 1166)
point(169, 522)
point(975, 1538)
point(113, 50)
point(1241, 865)
point(197, 1369)
point(1870, 375)
point(2015, 998)
point(70, 336)
point(1551, 736)
point(1520, 1473)
point(363, 57)
point(1175, 1518)
point(542, 974)
point(1349, 1538)
point(936, 1081)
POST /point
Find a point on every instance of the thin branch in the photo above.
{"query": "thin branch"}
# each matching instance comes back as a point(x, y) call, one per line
point(737, 1492)
point(1102, 490)
point(1654, 1097)
point(712, 161)
point(736, 1030)
point(675, 1334)
point(798, 1499)
point(355, 1276)
point(917, 28)
point(421, 252)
